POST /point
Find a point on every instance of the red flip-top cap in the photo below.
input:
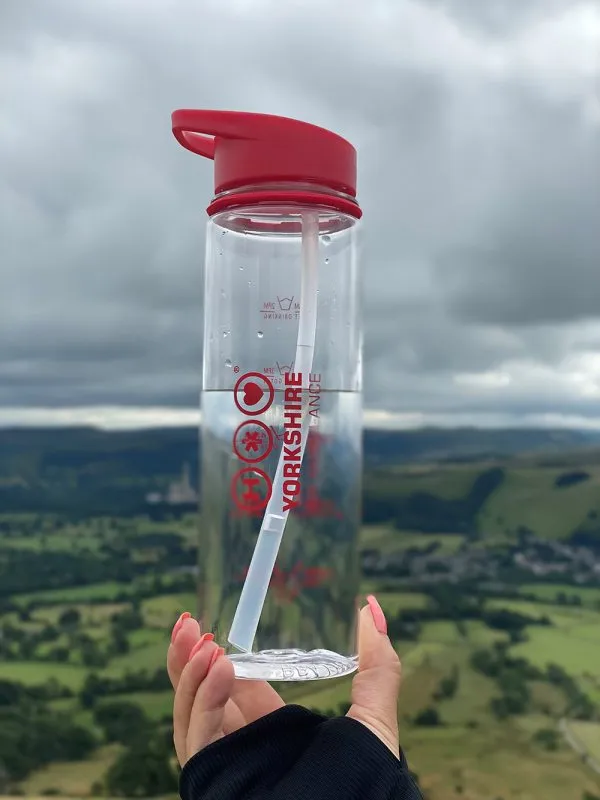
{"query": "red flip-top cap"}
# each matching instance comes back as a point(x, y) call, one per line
point(252, 150)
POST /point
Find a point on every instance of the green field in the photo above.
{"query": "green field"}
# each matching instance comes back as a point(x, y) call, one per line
point(31, 673)
point(565, 648)
point(393, 602)
point(548, 591)
point(150, 657)
point(387, 539)
point(441, 481)
point(472, 753)
point(588, 733)
point(72, 779)
point(470, 750)
point(529, 497)
point(161, 612)
point(94, 593)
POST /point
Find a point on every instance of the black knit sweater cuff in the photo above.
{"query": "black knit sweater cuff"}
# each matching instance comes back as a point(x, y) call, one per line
point(295, 753)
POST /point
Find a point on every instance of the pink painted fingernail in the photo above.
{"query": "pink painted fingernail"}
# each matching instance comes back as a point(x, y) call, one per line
point(217, 654)
point(178, 624)
point(378, 615)
point(206, 637)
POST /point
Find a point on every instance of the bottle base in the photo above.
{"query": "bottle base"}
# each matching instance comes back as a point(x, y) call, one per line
point(292, 665)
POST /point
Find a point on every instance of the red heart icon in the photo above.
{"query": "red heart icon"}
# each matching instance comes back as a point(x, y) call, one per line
point(253, 394)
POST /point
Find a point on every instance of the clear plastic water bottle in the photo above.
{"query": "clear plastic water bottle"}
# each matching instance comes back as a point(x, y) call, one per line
point(281, 403)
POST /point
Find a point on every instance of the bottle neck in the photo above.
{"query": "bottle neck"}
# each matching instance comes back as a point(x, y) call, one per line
point(284, 193)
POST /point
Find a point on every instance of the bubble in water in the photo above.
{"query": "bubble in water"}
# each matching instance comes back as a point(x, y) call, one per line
point(260, 334)
point(326, 239)
point(241, 269)
point(327, 261)
point(228, 362)
point(225, 334)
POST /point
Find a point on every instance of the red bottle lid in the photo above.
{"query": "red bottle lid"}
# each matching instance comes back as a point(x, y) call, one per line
point(255, 150)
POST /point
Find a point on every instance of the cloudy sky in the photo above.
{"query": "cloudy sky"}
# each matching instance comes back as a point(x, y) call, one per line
point(478, 129)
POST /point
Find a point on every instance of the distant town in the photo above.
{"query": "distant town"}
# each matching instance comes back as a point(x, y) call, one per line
point(532, 556)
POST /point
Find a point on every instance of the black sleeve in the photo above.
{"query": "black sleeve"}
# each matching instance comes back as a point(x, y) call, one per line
point(294, 753)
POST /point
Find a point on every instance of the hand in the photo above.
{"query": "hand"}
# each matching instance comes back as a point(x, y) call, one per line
point(210, 702)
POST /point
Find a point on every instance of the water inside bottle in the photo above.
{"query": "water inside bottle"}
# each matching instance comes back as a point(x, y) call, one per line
point(308, 626)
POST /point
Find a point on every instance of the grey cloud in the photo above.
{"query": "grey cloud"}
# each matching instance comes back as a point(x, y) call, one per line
point(535, 257)
point(498, 18)
point(479, 189)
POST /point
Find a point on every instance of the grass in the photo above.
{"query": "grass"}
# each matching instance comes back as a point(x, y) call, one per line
point(448, 542)
point(560, 616)
point(388, 539)
point(588, 733)
point(92, 593)
point(590, 597)
point(147, 658)
point(91, 615)
point(447, 482)
point(447, 632)
point(57, 542)
point(529, 497)
point(471, 750)
point(419, 655)
point(472, 756)
point(394, 602)
point(547, 698)
point(147, 637)
point(562, 647)
point(72, 778)
point(32, 673)
point(162, 612)
point(498, 761)
point(156, 705)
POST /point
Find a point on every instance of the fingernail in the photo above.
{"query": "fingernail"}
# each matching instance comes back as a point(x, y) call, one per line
point(217, 654)
point(206, 637)
point(378, 615)
point(178, 624)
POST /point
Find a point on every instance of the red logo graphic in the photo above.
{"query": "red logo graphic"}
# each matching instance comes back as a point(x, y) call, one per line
point(252, 441)
point(287, 585)
point(250, 490)
point(253, 394)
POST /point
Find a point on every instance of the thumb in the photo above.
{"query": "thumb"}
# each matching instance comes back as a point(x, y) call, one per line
point(376, 686)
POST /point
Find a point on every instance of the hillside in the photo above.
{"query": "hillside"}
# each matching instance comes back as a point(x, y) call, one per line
point(490, 500)
point(73, 469)
point(488, 569)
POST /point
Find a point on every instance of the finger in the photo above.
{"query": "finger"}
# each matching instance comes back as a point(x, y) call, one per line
point(191, 678)
point(208, 712)
point(255, 699)
point(234, 719)
point(376, 686)
point(186, 634)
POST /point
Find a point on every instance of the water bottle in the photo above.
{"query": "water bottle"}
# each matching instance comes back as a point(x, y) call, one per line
point(281, 444)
